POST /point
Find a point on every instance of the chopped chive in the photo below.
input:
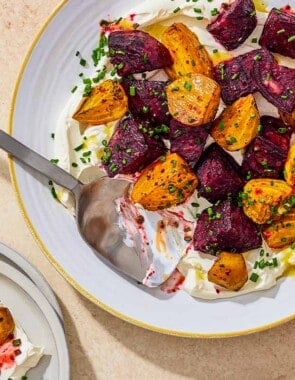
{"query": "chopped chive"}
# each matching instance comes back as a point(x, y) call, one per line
point(200, 18)
point(235, 76)
point(188, 86)
point(197, 10)
point(275, 262)
point(74, 89)
point(257, 57)
point(83, 62)
point(132, 91)
point(176, 10)
point(254, 40)
point(293, 245)
point(214, 12)
point(254, 277)
point(215, 51)
point(291, 39)
point(52, 135)
point(281, 31)
point(16, 342)
point(54, 161)
point(79, 147)
point(74, 165)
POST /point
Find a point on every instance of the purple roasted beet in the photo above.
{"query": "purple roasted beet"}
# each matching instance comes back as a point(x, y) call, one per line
point(276, 83)
point(275, 130)
point(218, 174)
point(225, 227)
point(263, 159)
point(134, 51)
point(234, 24)
point(235, 75)
point(278, 34)
point(147, 100)
point(129, 150)
point(188, 142)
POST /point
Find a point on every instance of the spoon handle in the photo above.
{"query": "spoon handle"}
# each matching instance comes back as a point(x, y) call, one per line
point(37, 162)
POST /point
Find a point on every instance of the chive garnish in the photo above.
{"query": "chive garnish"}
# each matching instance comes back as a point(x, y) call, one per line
point(254, 277)
point(79, 147)
point(132, 91)
point(291, 39)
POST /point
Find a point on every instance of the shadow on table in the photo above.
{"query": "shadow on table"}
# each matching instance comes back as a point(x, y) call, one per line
point(73, 340)
point(268, 353)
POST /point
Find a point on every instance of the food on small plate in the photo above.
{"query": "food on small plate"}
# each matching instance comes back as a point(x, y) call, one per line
point(234, 23)
point(188, 54)
point(164, 183)
point(238, 124)
point(229, 271)
point(219, 175)
point(17, 353)
point(278, 34)
point(134, 51)
point(193, 99)
point(265, 199)
point(106, 102)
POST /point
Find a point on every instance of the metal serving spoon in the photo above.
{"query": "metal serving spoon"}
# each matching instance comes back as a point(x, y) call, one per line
point(97, 218)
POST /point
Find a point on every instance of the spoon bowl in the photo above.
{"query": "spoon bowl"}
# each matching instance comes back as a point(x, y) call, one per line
point(97, 217)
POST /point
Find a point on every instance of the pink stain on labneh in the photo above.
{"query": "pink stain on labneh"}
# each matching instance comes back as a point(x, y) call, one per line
point(8, 353)
point(174, 282)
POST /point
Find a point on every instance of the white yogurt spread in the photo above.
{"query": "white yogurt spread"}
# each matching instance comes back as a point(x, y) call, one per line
point(153, 16)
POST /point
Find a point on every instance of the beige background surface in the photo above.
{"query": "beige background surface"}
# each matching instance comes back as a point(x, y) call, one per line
point(102, 346)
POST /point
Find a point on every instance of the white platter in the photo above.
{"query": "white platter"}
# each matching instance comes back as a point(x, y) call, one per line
point(43, 88)
point(39, 320)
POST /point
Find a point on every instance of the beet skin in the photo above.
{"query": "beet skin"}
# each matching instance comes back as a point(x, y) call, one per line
point(225, 227)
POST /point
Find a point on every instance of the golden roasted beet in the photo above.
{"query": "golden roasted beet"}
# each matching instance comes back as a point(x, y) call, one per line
point(237, 125)
point(193, 99)
point(106, 102)
point(287, 118)
point(229, 271)
point(7, 324)
point(164, 183)
point(280, 233)
point(265, 198)
point(289, 170)
point(189, 55)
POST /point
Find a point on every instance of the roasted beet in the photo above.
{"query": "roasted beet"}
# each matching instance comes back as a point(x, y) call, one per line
point(218, 174)
point(235, 75)
point(234, 23)
point(274, 130)
point(129, 150)
point(278, 34)
point(134, 51)
point(147, 100)
point(225, 227)
point(263, 159)
point(188, 142)
point(276, 83)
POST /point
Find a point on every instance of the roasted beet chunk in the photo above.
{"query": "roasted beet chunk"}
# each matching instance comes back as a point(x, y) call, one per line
point(278, 34)
point(276, 83)
point(147, 100)
point(234, 23)
point(225, 227)
point(134, 51)
point(274, 130)
point(188, 142)
point(129, 150)
point(263, 159)
point(218, 174)
point(235, 75)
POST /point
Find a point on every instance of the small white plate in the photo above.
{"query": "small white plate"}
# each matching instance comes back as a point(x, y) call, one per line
point(13, 258)
point(39, 320)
